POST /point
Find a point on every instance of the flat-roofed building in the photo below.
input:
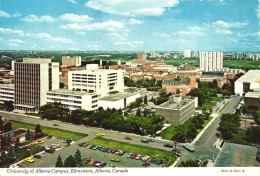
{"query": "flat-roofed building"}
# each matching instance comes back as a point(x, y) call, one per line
point(93, 80)
point(247, 82)
point(178, 109)
point(211, 61)
point(74, 99)
point(6, 92)
point(118, 101)
point(34, 77)
point(71, 61)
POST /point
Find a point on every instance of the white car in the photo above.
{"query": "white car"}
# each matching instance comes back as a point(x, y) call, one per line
point(138, 157)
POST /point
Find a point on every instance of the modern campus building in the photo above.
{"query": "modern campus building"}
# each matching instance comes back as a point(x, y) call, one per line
point(93, 80)
point(74, 99)
point(249, 81)
point(211, 61)
point(33, 79)
point(178, 109)
point(68, 61)
point(118, 101)
point(187, 53)
point(252, 99)
point(6, 92)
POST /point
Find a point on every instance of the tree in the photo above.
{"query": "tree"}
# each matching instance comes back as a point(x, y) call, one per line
point(11, 156)
point(28, 135)
point(59, 162)
point(138, 112)
point(180, 135)
point(70, 162)
point(8, 140)
point(145, 99)
point(189, 163)
point(17, 143)
point(253, 133)
point(9, 105)
point(192, 132)
point(3, 158)
point(162, 92)
point(38, 131)
point(78, 159)
point(244, 109)
point(7, 127)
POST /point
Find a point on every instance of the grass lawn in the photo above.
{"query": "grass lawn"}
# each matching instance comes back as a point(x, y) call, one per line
point(167, 133)
point(240, 138)
point(131, 148)
point(207, 105)
point(215, 99)
point(50, 131)
point(224, 106)
point(24, 153)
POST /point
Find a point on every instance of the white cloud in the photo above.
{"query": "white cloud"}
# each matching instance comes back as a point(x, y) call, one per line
point(34, 18)
point(257, 12)
point(161, 34)
point(192, 31)
point(107, 25)
point(16, 41)
point(134, 21)
point(4, 14)
point(17, 14)
point(72, 1)
point(11, 31)
point(49, 37)
point(131, 44)
point(75, 18)
point(132, 7)
point(81, 33)
point(231, 24)
point(224, 31)
point(118, 36)
point(13, 44)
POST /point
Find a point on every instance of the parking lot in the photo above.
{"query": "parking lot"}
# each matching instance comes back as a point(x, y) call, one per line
point(49, 159)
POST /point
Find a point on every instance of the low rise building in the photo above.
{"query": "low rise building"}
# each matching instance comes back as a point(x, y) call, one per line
point(178, 109)
point(71, 61)
point(6, 92)
point(252, 99)
point(118, 101)
point(74, 99)
point(247, 82)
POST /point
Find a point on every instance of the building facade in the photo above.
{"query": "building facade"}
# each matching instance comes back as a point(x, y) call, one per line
point(211, 61)
point(6, 92)
point(93, 80)
point(74, 99)
point(71, 61)
point(33, 79)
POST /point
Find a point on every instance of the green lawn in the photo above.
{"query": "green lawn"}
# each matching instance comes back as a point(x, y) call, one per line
point(207, 105)
point(215, 99)
point(240, 138)
point(131, 148)
point(167, 133)
point(50, 131)
point(24, 153)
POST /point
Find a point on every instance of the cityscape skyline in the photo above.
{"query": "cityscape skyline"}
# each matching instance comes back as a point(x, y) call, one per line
point(172, 25)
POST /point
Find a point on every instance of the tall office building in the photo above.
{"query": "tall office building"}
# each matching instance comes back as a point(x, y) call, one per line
point(187, 53)
point(93, 80)
point(141, 56)
point(71, 61)
point(211, 61)
point(33, 79)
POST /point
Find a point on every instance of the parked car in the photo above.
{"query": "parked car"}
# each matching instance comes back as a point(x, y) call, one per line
point(145, 158)
point(86, 144)
point(115, 159)
point(138, 157)
point(113, 151)
point(88, 160)
point(49, 137)
point(145, 164)
point(81, 144)
point(144, 141)
point(121, 153)
point(49, 151)
point(150, 140)
point(129, 155)
point(53, 149)
point(168, 145)
point(37, 156)
point(128, 138)
point(176, 152)
point(133, 156)
point(95, 148)
point(103, 164)
point(109, 150)
point(112, 165)
point(95, 162)
point(29, 160)
point(39, 142)
point(65, 140)
point(99, 164)
point(92, 146)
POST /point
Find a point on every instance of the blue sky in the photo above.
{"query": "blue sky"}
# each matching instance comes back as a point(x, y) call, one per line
point(125, 25)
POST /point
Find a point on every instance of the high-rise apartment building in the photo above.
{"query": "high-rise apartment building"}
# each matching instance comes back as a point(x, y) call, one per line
point(71, 61)
point(141, 56)
point(211, 61)
point(187, 53)
point(33, 79)
point(93, 80)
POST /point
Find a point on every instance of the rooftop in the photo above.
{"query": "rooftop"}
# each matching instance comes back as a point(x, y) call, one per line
point(66, 91)
point(236, 155)
point(118, 96)
point(252, 76)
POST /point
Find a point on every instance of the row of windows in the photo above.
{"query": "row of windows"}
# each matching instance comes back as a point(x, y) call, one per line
point(94, 101)
point(73, 74)
point(94, 106)
point(7, 89)
point(66, 101)
point(66, 96)
point(84, 81)
point(11, 98)
point(6, 93)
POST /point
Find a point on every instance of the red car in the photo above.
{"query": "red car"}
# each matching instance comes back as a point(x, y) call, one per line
point(53, 149)
point(134, 155)
point(87, 161)
point(146, 164)
point(95, 162)
point(128, 138)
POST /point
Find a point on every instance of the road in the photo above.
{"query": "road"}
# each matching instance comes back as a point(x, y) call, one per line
point(203, 148)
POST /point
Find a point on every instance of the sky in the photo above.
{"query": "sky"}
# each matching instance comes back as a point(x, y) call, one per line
point(130, 25)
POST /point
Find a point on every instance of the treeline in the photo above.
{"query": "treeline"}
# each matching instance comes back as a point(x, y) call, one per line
point(108, 119)
point(151, 84)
